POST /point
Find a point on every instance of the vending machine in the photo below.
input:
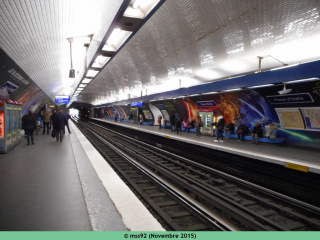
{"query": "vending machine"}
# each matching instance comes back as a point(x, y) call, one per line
point(209, 114)
point(10, 124)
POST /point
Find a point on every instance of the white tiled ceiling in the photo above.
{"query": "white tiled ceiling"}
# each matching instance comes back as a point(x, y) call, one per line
point(202, 40)
point(34, 34)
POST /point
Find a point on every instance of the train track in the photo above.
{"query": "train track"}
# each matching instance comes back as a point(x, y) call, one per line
point(230, 203)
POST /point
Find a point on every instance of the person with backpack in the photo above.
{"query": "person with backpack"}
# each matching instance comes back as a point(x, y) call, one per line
point(29, 124)
point(172, 118)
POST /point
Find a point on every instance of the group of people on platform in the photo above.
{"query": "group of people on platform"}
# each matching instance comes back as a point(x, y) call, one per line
point(58, 120)
point(220, 128)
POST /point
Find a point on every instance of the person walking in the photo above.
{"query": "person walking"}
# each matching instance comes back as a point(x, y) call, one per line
point(68, 117)
point(59, 123)
point(29, 124)
point(46, 122)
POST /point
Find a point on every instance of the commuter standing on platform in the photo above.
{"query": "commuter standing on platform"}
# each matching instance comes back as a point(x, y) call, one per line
point(59, 124)
point(141, 118)
point(116, 117)
point(198, 122)
point(46, 122)
point(68, 117)
point(256, 133)
point(29, 124)
point(159, 121)
point(172, 118)
point(178, 122)
point(52, 117)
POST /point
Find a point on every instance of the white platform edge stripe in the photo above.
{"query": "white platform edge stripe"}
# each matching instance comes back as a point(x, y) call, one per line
point(264, 157)
point(135, 215)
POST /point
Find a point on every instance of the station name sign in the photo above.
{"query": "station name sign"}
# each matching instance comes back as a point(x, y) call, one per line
point(206, 103)
point(136, 104)
point(290, 98)
point(62, 99)
point(161, 106)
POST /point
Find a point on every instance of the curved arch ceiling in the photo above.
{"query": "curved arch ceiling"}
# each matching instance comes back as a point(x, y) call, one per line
point(201, 41)
point(34, 34)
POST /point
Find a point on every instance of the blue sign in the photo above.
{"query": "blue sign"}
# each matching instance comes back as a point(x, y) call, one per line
point(62, 99)
point(290, 98)
point(161, 106)
point(207, 104)
point(136, 104)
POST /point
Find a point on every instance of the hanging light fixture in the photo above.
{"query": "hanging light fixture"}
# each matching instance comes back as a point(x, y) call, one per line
point(71, 72)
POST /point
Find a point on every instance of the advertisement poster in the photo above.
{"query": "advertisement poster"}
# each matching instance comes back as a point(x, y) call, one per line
point(312, 118)
point(7, 88)
point(147, 114)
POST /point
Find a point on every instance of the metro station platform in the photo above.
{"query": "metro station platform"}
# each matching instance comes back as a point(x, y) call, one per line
point(272, 153)
point(68, 186)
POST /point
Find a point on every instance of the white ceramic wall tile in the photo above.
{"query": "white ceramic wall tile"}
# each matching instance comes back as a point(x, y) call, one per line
point(222, 36)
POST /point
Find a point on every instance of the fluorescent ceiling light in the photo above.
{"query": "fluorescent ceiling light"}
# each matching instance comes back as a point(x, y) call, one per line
point(193, 95)
point(83, 85)
point(210, 93)
point(136, 3)
point(86, 80)
point(100, 61)
point(115, 33)
point(274, 69)
point(92, 73)
point(235, 89)
point(236, 76)
point(302, 80)
point(181, 97)
point(266, 85)
point(80, 89)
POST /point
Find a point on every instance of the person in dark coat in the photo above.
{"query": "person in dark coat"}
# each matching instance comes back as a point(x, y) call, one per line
point(178, 121)
point(256, 133)
point(59, 123)
point(68, 117)
point(172, 122)
point(219, 129)
point(242, 130)
point(29, 124)
point(228, 129)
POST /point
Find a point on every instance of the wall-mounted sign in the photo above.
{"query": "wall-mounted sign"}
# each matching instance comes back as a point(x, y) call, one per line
point(160, 106)
point(136, 104)
point(62, 99)
point(206, 103)
point(290, 98)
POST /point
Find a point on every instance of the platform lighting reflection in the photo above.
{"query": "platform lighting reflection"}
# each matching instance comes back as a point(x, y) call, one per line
point(235, 89)
point(210, 93)
point(206, 74)
point(274, 69)
point(193, 95)
point(266, 85)
point(302, 80)
point(92, 73)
